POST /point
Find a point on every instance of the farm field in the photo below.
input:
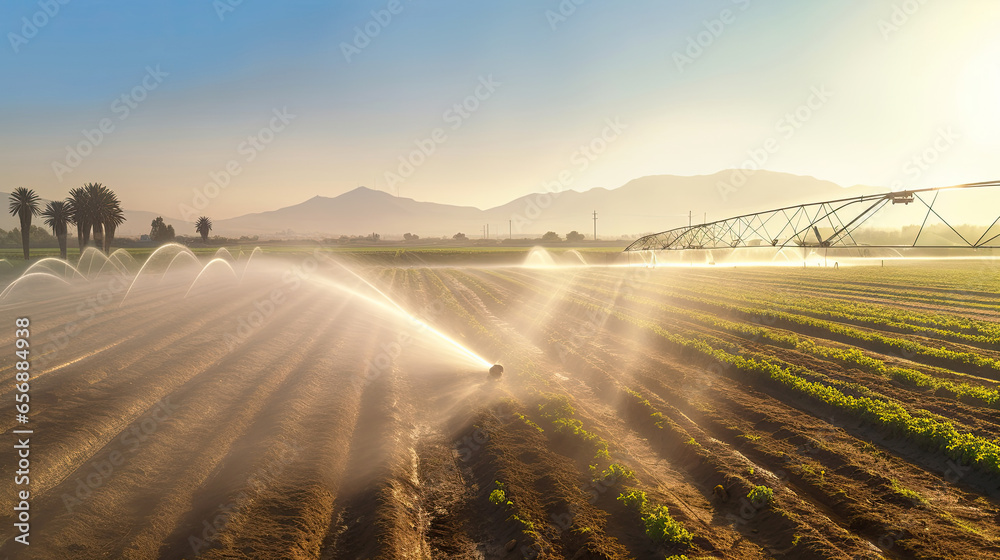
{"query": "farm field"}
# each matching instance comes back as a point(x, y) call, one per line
point(338, 407)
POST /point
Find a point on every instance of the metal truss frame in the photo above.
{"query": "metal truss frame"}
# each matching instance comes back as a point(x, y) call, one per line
point(798, 226)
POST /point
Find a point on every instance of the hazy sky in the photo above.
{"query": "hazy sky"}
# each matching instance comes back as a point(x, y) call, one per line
point(303, 98)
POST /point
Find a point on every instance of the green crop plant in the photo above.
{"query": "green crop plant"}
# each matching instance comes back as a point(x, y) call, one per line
point(929, 430)
point(558, 410)
point(644, 403)
point(662, 528)
point(933, 432)
point(851, 357)
point(769, 313)
point(761, 495)
point(618, 473)
point(634, 499)
point(656, 520)
point(911, 495)
point(524, 523)
point(499, 496)
point(528, 422)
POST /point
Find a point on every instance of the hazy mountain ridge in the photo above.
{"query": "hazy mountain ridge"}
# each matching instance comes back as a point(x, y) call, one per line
point(647, 204)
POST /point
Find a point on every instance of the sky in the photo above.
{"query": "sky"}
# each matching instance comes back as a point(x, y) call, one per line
point(225, 107)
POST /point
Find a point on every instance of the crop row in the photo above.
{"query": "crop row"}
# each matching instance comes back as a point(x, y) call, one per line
point(851, 357)
point(960, 329)
point(887, 293)
point(985, 334)
point(928, 430)
point(659, 526)
point(955, 359)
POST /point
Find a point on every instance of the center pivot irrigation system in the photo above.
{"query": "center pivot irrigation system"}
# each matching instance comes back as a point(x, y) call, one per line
point(799, 226)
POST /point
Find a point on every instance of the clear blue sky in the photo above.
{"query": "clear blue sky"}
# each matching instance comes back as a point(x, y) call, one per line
point(898, 85)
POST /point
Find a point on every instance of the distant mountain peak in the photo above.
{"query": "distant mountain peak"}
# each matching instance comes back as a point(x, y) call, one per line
point(642, 205)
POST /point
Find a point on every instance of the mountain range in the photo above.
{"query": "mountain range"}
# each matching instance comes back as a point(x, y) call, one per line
point(648, 204)
point(644, 205)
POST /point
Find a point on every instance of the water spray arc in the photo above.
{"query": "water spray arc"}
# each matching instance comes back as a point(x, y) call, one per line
point(163, 249)
point(30, 276)
point(391, 305)
point(48, 261)
point(218, 262)
point(395, 309)
point(177, 256)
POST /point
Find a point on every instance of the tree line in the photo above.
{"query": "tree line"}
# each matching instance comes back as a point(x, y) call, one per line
point(94, 209)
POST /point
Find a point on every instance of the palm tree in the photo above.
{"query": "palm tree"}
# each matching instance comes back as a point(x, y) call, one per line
point(79, 207)
point(114, 218)
point(24, 205)
point(100, 201)
point(102, 211)
point(57, 214)
point(203, 226)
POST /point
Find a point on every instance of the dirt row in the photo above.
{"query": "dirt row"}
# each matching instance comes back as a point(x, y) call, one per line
point(334, 428)
point(858, 456)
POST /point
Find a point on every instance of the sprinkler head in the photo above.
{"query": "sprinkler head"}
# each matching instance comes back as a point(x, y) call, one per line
point(496, 371)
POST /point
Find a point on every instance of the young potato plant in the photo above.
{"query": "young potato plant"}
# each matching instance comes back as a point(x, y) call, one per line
point(765, 311)
point(558, 410)
point(926, 429)
point(851, 357)
point(499, 498)
point(658, 523)
point(761, 495)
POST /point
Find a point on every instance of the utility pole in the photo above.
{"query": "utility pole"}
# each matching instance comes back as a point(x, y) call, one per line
point(487, 231)
point(704, 219)
point(510, 229)
point(595, 225)
point(689, 218)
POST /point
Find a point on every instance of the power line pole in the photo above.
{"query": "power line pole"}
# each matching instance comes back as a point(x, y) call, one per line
point(689, 218)
point(595, 225)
